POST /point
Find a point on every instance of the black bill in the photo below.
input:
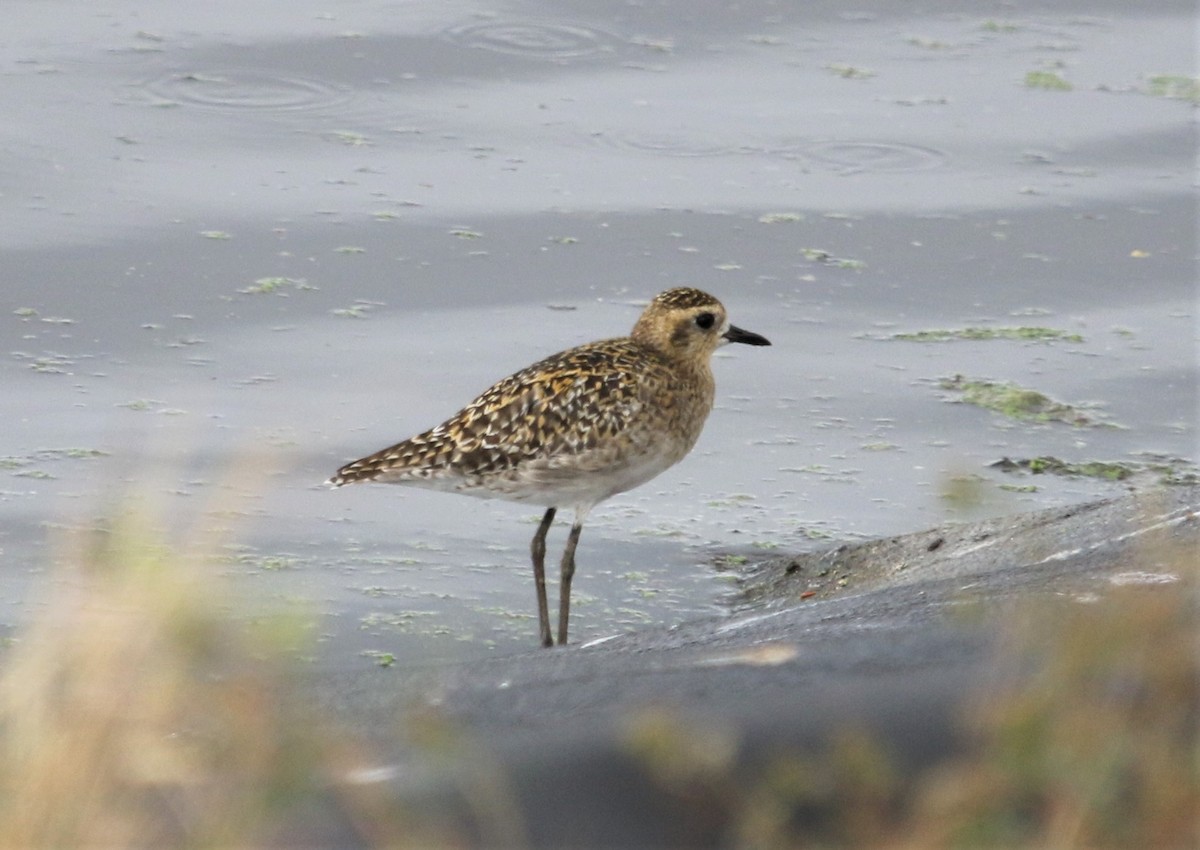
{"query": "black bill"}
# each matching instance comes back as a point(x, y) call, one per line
point(736, 334)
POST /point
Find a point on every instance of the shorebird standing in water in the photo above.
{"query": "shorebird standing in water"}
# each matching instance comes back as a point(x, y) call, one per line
point(576, 428)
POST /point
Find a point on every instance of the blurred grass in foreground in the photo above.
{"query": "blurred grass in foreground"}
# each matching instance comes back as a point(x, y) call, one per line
point(1094, 741)
point(145, 708)
point(137, 711)
point(1088, 737)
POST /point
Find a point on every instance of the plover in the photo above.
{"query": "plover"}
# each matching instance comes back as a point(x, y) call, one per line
point(576, 428)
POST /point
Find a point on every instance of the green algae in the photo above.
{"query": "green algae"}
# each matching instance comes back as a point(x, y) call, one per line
point(1173, 471)
point(1021, 403)
point(1022, 333)
point(1046, 80)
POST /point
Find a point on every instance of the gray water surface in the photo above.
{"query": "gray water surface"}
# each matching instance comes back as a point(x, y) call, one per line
point(245, 246)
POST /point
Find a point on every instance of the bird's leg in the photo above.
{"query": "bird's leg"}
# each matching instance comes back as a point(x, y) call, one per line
point(564, 588)
point(538, 550)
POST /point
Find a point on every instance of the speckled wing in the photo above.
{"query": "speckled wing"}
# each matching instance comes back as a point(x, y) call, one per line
point(561, 407)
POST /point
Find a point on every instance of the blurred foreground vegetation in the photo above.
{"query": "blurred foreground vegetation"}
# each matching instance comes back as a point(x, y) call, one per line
point(1086, 736)
point(144, 709)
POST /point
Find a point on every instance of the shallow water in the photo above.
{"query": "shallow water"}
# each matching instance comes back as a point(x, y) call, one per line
point(243, 248)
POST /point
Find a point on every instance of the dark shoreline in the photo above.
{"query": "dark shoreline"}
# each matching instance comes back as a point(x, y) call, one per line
point(896, 656)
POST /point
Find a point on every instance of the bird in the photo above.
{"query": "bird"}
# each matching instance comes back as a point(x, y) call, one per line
point(575, 428)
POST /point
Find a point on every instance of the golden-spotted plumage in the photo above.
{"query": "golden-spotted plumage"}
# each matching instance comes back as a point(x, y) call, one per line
point(576, 428)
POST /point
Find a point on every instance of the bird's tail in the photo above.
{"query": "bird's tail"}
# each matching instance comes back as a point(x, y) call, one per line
point(398, 462)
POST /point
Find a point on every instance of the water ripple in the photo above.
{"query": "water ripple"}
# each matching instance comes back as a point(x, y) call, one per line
point(670, 144)
point(853, 157)
point(533, 40)
point(847, 157)
point(229, 90)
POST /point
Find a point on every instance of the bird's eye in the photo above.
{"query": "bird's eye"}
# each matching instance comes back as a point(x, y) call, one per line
point(705, 320)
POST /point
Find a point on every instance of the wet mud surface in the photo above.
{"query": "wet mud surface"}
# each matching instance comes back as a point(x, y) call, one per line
point(242, 250)
point(901, 659)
